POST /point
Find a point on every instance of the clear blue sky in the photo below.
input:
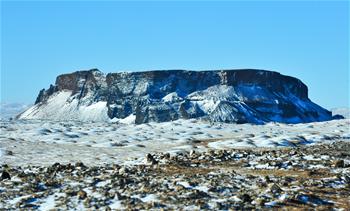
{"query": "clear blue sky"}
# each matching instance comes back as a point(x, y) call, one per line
point(307, 40)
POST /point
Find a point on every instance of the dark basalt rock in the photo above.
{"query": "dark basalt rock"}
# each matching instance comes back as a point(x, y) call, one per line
point(5, 175)
point(235, 96)
point(338, 116)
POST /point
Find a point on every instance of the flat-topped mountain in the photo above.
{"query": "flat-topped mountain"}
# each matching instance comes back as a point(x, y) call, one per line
point(236, 96)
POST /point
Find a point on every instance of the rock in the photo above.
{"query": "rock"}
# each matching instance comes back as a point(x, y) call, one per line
point(287, 181)
point(246, 198)
point(347, 179)
point(260, 201)
point(82, 194)
point(9, 152)
point(240, 96)
point(267, 179)
point(123, 170)
point(5, 175)
point(275, 189)
point(167, 156)
point(192, 153)
point(5, 166)
point(150, 159)
point(52, 183)
point(339, 164)
point(313, 172)
point(80, 164)
point(338, 116)
point(70, 192)
point(311, 199)
point(57, 167)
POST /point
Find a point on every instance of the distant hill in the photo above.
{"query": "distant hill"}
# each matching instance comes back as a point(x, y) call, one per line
point(11, 110)
point(345, 112)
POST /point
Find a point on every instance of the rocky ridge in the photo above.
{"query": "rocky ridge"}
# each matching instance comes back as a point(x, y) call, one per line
point(235, 96)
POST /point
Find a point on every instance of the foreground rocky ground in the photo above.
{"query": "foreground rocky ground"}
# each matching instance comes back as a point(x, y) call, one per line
point(306, 177)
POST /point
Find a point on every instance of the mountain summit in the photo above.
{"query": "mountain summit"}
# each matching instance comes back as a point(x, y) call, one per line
point(234, 96)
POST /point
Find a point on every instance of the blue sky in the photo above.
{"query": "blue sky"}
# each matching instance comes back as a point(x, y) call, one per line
point(304, 39)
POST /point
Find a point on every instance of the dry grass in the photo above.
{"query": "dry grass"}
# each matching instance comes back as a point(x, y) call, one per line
point(340, 197)
point(184, 170)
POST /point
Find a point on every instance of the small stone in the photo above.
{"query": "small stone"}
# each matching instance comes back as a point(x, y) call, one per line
point(9, 152)
point(151, 159)
point(260, 201)
point(339, 164)
point(167, 156)
point(267, 179)
point(274, 188)
point(246, 198)
point(80, 164)
point(82, 194)
point(70, 192)
point(5, 175)
point(312, 172)
point(347, 179)
point(123, 170)
point(192, 152)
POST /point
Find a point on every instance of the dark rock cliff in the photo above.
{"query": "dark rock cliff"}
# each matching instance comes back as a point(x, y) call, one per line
point(237, 96)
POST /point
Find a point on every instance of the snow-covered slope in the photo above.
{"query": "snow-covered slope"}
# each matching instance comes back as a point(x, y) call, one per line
point(235, 96)
point(62, 106)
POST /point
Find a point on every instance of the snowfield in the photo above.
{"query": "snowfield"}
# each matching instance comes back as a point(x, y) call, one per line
point(35, 142)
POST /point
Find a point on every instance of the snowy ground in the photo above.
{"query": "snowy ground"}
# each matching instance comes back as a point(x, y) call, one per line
point(313, 177)
point(254, 170)
point(44, 143)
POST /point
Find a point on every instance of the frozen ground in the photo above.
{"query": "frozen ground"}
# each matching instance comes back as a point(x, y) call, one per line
point(192, 165)
point(46, 142)
point(313, 177)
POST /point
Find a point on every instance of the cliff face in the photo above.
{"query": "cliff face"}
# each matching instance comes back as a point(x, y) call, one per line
point(237, 96)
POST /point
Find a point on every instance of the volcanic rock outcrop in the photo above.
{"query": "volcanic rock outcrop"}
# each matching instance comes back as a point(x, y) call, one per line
point(234, 96)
